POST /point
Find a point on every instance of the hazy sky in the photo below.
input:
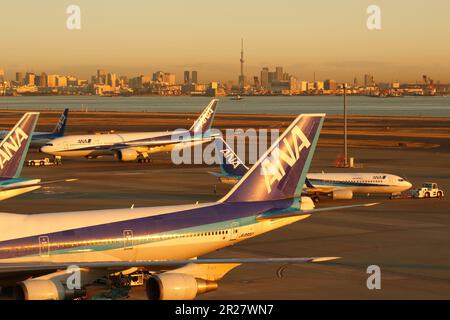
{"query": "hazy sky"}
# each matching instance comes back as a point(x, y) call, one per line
point(142, 36)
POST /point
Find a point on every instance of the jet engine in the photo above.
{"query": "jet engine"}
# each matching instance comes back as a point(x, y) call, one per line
point(342, 195)
point(37, 289)
point(177, 286)
point(126, 155)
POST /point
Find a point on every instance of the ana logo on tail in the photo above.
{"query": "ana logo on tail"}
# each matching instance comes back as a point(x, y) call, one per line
point(206, 115)
point(60, 122)
point(230, 158)
point(10, 146)
point(287, 153)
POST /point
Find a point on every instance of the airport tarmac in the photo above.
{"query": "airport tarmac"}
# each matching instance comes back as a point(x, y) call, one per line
point(408, 239)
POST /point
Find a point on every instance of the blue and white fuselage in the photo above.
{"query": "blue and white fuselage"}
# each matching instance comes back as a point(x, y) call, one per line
point(133, 146)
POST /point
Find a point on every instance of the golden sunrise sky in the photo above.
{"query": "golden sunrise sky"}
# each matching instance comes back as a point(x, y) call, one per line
point(142, 36)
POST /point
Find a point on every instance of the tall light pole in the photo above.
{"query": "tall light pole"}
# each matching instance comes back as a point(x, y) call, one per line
point(345, 127)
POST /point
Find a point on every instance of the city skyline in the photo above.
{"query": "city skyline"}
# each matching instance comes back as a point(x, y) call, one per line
point(329, 40)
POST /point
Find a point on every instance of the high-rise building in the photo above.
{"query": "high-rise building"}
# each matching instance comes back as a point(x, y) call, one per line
point(52, 80)
point(42, 80)
point(330, 85)
point(19, 78)
point(194, 77)
point(272, 77)
point(368, 80)
point(101, 76)
point(187, 77)
point(30, 79)
point(2, 76)
point(265, 78)
point(61, 81)
point(111, 80)
point(242, 79)
point(279, 73)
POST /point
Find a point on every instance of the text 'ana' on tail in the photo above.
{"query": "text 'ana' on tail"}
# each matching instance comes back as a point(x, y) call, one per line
point(230, 164)
point(205, 120)
point(61, 125)
point(14, 147)
point(280, 173)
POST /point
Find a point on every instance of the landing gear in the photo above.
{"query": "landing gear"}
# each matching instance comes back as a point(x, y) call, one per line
point(144, 160)
point(315, 199)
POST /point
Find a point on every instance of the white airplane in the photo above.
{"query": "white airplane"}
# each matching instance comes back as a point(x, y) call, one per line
point(133, 146)
point(36, 250)
point(340, 186)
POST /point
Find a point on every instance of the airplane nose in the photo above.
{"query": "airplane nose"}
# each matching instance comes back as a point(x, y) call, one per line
point(408, 184)
point(43, 149)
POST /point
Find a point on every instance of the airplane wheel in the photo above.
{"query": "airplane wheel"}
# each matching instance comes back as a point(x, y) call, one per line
point(427, 195)
point(139, 160)
point(41, 163)
point(439, 194)
point(32, 163)
point(315, 199)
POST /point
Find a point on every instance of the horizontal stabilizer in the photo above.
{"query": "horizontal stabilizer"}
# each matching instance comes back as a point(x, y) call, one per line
point(36, 184)
point(293, 212)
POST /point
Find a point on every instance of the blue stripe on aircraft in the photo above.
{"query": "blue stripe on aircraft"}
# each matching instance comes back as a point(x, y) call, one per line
point(318, 182)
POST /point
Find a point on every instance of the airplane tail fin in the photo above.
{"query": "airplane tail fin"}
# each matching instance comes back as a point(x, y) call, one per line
point(280, 173)
point(14, 147)
point(230, 164)
point(205, 120)
point(61, 125)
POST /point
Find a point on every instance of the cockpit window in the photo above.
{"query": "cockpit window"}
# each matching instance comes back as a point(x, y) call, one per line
point(401, 180)
point(49, 144)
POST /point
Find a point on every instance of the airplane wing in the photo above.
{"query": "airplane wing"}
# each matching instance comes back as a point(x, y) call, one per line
point(37, 184)
point(115, 265)
point(161, 143)
point(295, 212)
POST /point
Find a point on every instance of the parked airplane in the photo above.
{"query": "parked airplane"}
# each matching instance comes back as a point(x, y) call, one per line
point(340, 186)
point(41, 138)
point(35, 250)
point(132, 146)
point(13, 151)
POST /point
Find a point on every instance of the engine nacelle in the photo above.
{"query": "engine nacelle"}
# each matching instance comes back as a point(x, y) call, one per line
point(306, 204)
point(177, 286)
point(40, 289)
point(126, 155)
point(342, 195)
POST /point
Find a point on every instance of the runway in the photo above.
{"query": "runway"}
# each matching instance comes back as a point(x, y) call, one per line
point(408, 239)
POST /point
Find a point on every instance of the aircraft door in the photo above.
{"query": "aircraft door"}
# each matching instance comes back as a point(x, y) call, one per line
point(234, 230)
point(44, 246)
point(128, 239)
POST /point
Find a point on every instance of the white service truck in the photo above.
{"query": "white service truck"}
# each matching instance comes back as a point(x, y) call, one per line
point(44, 162)
point(428, 190)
